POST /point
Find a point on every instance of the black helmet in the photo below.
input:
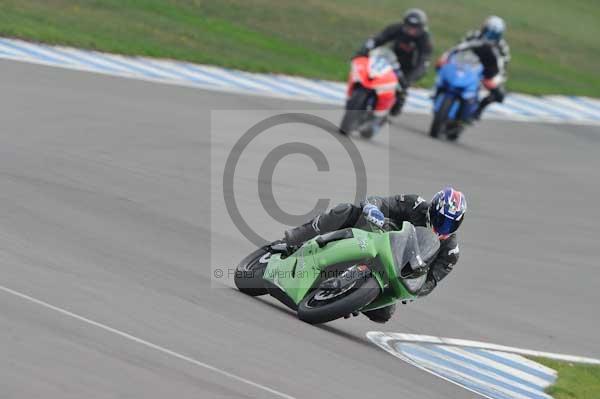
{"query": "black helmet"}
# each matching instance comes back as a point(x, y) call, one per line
point(415, 20)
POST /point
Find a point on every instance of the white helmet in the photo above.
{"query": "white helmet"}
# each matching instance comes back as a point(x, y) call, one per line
point(493, 28)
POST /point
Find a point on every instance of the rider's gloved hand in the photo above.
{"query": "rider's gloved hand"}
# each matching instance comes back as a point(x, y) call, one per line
point(374, 215)
point(364, 50)
point(427, 287)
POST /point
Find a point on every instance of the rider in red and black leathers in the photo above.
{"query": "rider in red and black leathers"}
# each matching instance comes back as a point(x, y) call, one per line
point(411, 42)
point(398, 208)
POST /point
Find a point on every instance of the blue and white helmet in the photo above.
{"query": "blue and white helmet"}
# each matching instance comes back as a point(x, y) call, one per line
point(493, 28)
point(447, 211)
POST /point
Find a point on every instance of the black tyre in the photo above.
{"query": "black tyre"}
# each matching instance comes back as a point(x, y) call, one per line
point(367, 132)
point(356, 103)
point(440, 118)
point(455, 134)
point(249, 272)
point(315, 311)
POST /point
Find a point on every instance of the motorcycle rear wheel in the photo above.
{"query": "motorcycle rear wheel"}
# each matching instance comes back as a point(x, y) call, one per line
point(455, 134)
point(249, 272)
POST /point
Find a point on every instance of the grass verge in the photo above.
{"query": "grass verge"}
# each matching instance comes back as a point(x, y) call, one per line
point(554, 43)
point(575, 381)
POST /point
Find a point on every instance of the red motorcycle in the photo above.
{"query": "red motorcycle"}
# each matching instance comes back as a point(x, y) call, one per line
point(371, 92)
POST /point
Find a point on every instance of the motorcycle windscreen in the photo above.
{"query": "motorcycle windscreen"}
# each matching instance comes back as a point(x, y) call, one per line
point(466, 58)
point(464, 71)
point(413, 247)
point(429, 243)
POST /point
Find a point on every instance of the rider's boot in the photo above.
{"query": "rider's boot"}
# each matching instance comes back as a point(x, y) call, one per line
point(484, 103)
point(376, 125)
point(400, 99)
point(381, 315)
point(353, 314)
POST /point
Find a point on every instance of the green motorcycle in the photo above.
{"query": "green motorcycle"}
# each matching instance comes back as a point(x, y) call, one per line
point(343, 272)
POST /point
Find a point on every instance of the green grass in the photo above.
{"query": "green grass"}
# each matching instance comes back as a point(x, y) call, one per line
point(554, 43)
point(575, 381)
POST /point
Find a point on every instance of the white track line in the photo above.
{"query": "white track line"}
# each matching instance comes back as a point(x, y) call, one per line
point(541, 383)
point(383, 343)
point(511, 383)
point(377, 336)
point(144, 342)
point(496, 386)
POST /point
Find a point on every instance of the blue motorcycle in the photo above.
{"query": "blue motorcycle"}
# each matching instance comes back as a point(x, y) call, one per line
point(457, 94)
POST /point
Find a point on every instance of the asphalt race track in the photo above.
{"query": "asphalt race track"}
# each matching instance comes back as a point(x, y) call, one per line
point(105, 212)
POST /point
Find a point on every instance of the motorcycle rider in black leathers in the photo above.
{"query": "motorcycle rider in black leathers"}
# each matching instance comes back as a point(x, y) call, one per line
point(443, 214)
point(494, 55)
point(411, 43)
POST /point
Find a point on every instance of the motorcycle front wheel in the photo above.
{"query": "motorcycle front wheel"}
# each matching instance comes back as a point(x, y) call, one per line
point(440, 118)
point(356, 109)
point(321, 306)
